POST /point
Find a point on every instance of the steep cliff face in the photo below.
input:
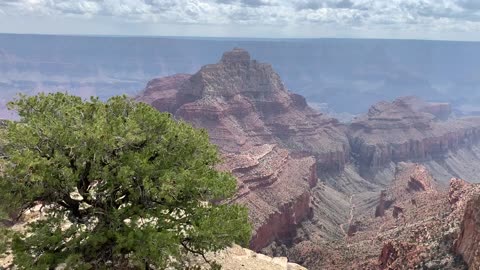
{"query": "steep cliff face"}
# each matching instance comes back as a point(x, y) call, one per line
point(468, 243)
point(418, 228)
point(408, 130)
point(275, 186)
point(243, 103)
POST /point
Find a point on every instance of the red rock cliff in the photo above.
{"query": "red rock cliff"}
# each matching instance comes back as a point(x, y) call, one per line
point(468, 243)
point(275, 186)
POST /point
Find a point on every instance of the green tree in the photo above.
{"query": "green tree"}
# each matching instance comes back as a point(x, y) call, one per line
point(4, 234)
point(123, 186)
point(3, 138)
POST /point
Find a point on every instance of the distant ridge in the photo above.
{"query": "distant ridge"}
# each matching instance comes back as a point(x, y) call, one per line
point(347, 75)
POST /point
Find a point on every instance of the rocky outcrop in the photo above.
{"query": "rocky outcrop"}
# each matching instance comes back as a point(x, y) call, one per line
point(434, 228)
point(410, 181)
point(382, 205)
point(468, 243)
point(236, 257)
point(408, 130)
point(243, 103)
point(275, 186)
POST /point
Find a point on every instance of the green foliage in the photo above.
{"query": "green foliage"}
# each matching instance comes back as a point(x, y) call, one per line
point(124, 186)
point(3, 142)
point(3, 129)
point(3, 137)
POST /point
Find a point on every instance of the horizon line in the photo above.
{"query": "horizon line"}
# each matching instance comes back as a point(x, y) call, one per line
point(241, 38)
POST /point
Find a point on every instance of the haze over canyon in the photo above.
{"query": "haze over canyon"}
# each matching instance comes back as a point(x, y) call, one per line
point(344, 76)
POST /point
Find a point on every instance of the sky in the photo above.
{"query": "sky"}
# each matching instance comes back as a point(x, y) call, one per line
point(405, 19)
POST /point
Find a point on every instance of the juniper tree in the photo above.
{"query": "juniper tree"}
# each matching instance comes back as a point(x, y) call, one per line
point(123, 186)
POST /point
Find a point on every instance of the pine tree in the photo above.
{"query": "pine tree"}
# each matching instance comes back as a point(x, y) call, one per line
point(122, 185)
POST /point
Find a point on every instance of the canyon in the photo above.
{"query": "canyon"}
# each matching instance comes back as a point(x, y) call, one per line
point(329, 195)
point(403, 130)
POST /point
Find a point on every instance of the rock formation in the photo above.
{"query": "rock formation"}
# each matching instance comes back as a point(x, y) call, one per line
point(243, 103)
point(236, 258)
point(252, 117)
point(408, 130)
point(409, 180)
point(468, 244)
point(275, 186)
point(418, 231)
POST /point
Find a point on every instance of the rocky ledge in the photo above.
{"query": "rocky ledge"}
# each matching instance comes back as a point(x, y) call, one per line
point(275, 186)
point(238, 258)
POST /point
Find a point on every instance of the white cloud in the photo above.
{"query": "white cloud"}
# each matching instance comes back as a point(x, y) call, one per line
point(385, 15)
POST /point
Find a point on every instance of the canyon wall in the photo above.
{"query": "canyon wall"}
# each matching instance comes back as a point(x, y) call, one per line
point(468, 243)
point(420, 223)
point(403, 131)
point(277, 147)
point(275, 186)
point(243, 103)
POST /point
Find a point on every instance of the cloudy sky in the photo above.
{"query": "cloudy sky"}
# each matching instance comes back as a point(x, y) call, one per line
point(415, 19)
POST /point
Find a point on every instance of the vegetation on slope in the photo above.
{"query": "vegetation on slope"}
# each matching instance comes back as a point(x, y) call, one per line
point(122, 186)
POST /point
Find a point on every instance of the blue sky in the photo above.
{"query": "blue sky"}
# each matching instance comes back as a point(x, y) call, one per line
point(411, 19)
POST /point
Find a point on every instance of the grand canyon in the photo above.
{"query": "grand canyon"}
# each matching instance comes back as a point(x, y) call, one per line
point(240, 134)
point(394, 186)
point(393, 189)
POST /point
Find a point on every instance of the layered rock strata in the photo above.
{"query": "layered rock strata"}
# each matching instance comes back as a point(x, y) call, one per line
point(267, 135)
point(418, 231)
point(406, 131)
point(243, 103)
point(253, 118)
point(275, 186)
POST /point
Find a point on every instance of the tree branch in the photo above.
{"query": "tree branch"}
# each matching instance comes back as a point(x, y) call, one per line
point(185, 246)
point(84, 182)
